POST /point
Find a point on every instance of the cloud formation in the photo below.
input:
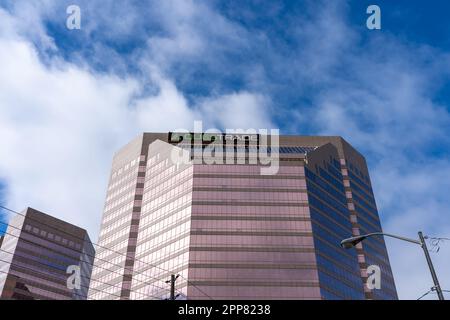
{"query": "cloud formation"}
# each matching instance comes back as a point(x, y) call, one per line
point(60, 124)
point(380, 96)
point(158, 65)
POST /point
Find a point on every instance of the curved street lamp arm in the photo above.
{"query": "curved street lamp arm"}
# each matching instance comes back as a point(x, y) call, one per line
point(392, 236)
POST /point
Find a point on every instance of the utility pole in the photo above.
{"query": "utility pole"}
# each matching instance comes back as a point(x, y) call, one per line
point(437, 287)
point(353, 241)
point(172, 280)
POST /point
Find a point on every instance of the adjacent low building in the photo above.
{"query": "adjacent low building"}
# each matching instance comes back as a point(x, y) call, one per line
point(42, 257)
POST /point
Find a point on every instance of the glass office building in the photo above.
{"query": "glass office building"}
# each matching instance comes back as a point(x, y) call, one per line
point(230, 231)
point(38, 256)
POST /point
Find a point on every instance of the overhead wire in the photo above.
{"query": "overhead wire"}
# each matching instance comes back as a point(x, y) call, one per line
point(114, 251)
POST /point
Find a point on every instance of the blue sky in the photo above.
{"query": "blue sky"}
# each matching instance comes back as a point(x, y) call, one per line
point(306, 67)
point(3, 219)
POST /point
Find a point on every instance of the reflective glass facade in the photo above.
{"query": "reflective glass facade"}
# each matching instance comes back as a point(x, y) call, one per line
point(232, 233)
point(35, 255)
point(251, 234)
point(365, 219)
point(165, 226)
point(339, 272)
point(114, 260)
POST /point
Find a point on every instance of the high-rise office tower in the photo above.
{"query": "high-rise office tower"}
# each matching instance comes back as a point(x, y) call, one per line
point(40, 256)
point(234, 229)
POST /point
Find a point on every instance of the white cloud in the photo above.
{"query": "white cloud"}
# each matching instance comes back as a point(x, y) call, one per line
point(416, 200)
point(61, 123)
point(384, 105)
point(378, 94)
point(237, 111)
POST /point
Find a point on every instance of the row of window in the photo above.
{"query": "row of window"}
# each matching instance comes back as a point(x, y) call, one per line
point(252, 210)
point(123, 210)
point(116, 226)
point(124, 198)
point(127, 166)
point(296, 197)
point(125, 178)
point(266, 183)
point(358, 172)
point(250, 148)
point(113, 194)
point(254, 170)
point(53, 237)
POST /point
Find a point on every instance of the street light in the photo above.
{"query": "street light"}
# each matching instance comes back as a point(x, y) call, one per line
point(353, 241)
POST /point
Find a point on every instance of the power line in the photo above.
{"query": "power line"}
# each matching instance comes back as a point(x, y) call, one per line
point(117, 252)
point(92, 263)
point(190, 282)
point(81, 260)
point(435, 243)
point(16, 276)
point(52, 267)
point(84, 240)
point(432, 290)
point(23, 267)
point(425, 294)
point(53, 274)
